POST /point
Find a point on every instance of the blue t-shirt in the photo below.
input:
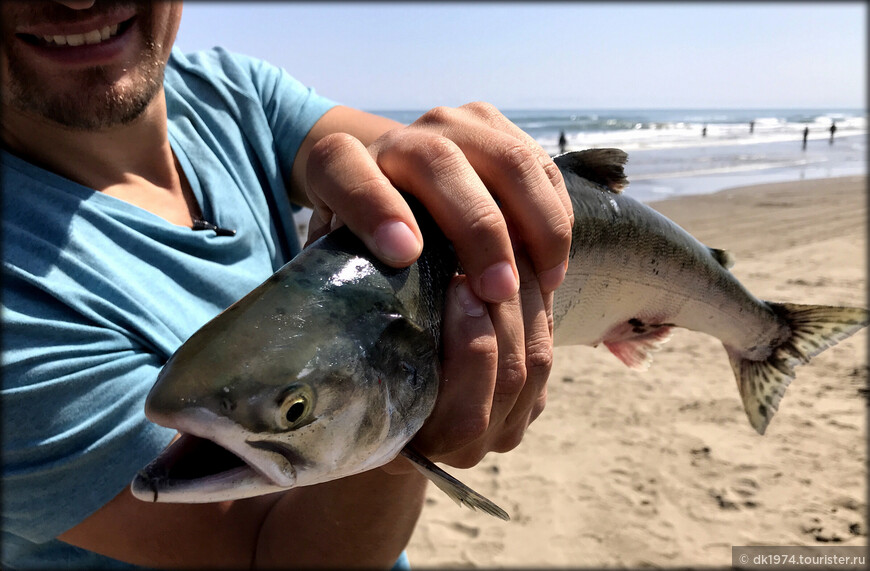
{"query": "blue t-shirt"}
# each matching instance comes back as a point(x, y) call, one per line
point(98, 293)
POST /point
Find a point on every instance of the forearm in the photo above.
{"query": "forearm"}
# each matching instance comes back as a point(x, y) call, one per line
point(361, 521)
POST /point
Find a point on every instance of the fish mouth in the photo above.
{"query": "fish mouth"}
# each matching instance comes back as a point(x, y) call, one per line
point(211, 461)
point(197, 470)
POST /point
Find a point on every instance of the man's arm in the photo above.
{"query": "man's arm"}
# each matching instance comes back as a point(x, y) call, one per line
point(364, 520)
point(496, 356)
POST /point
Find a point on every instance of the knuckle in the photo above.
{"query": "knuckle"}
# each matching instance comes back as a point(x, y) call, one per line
point(553, 173)
point(539, 406)
point(509, 439)
point(427, 152)
point(539, 359)
point(511, 376)
point(467, 459)
point(481, 349)
point(330, 148)
point(470, 428)
point(483, 109)
point(562, 231)
point(486, 221)
point(520, 160)
point(440, 154)
point(437, 115)
point(364, 188)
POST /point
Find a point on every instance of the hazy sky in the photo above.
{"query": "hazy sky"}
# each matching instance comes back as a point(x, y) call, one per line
point(560, 55)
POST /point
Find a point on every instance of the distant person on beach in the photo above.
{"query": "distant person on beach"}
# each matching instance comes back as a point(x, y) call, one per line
point(751, 127)
point(833, 130)
point(117, 147)
point(704, 131)
point(563, 142)
point(806, 134)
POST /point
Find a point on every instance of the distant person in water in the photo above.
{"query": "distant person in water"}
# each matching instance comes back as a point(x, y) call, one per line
point(751, 127)
point(563, 142)
point(833, 130)
point(704, 131)
point(806, 134)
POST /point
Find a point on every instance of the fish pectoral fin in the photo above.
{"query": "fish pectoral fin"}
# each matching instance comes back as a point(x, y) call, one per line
point(814, 328)
point(458, 492)
point(636, 352)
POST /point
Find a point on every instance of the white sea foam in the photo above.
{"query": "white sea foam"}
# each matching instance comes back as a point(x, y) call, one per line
point(670, 156)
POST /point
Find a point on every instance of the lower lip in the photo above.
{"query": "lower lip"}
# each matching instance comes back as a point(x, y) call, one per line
point(102, 53)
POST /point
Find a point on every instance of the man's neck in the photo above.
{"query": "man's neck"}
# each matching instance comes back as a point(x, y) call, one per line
point(133, 162)
point(97, 159)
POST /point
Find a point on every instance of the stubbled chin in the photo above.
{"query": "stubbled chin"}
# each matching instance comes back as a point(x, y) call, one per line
point(83, 98)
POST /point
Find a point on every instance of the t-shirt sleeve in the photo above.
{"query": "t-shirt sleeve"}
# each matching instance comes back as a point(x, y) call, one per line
point(73, 421)
point(291, 108)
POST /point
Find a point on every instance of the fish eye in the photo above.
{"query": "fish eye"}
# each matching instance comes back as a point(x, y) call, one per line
point(295, 407)
point(294, 413)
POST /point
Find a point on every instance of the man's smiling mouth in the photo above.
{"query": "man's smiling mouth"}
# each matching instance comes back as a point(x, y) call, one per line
point(89, 38)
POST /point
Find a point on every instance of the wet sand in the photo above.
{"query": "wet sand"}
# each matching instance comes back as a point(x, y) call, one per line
point(661, 468)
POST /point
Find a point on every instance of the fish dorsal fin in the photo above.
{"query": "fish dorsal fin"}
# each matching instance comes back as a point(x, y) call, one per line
point(724, 257)
point(601, 166)
point(458, 492)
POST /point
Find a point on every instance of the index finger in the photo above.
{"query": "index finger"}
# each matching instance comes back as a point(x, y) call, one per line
point(525, 180)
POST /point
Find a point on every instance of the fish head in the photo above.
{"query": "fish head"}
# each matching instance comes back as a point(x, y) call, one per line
point(319, 373)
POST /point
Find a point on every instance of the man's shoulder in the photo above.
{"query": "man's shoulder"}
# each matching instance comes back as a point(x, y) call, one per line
point(216, 64)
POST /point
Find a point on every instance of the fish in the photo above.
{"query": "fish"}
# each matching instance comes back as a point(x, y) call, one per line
point(331, 366)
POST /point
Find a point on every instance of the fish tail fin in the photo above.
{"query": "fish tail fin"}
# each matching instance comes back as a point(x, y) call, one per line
point(814, 328)
point(458, 492)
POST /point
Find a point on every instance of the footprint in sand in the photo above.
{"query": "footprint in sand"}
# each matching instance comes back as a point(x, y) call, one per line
point(467, 530)
point(841, 521)
point(741, 494)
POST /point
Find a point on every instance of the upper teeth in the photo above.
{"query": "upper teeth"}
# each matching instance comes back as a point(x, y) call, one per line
point(93, 37)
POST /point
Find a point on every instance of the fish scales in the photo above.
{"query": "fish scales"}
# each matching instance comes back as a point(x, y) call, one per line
point(658, 274)
point(330, 367)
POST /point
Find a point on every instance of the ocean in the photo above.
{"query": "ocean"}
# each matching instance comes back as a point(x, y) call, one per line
point(669, 154)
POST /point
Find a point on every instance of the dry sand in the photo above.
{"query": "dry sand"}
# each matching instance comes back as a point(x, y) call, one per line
point(661, 468)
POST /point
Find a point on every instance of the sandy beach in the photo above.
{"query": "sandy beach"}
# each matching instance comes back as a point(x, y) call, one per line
point(661, 468)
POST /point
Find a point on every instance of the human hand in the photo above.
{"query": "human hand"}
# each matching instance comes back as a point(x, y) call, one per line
point(497, 359)
point(458, 163)
point(483, 180)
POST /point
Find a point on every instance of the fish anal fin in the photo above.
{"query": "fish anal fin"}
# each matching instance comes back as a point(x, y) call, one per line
point(814, 328)
point(456, 490)
point(636, 350)
point(601, 166)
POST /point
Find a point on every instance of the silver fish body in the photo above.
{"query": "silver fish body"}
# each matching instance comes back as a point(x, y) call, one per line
point(635, 275)
point(330, 367)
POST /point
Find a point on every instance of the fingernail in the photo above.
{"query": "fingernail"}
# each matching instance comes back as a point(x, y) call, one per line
point(498, 282)
point(396, 242)
point(470, 303)
point(551, 279)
